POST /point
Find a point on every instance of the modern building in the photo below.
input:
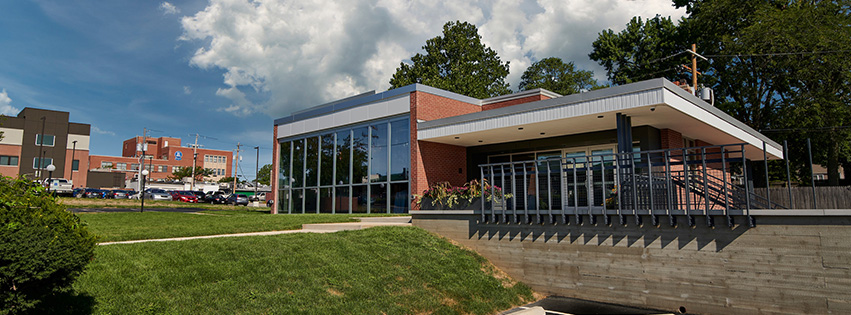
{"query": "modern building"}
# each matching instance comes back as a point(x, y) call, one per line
point(36, 138)
point(371, 152)
point(162, 157)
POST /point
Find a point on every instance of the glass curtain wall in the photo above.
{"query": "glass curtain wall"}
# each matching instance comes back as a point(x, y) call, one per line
point(358, 169)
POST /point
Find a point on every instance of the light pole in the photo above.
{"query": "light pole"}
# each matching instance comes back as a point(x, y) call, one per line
point(50, 169)
point(142, 192)
point(73, 152)
point(41, 148)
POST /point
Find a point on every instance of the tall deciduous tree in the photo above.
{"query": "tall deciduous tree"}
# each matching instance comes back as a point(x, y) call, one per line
point(187, 172)
point(264, 174)
point(641, 51)
point(555, 75)
point(456, 62)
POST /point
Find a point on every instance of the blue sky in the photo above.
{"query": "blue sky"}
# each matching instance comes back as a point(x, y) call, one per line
point(225, 69)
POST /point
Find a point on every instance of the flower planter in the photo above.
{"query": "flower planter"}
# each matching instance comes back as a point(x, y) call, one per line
point(461, 205)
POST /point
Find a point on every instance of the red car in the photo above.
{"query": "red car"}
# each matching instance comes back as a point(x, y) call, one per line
point(184, 196)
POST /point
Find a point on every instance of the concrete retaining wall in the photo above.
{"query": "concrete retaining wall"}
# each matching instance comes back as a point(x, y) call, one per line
point(784, 265)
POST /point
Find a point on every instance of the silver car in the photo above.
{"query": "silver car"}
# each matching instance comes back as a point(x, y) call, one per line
point(157, 194)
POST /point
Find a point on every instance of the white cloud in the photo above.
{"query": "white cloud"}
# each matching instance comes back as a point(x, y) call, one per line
point(187, 90)
point(5, 105)
point(103, 132)
point(281, 56)
point(169, 8)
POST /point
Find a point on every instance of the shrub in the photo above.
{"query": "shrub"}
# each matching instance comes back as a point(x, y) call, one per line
point(447, 195)
point(43, 247)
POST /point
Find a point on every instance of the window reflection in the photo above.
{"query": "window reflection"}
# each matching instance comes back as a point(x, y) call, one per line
point(298, 163)
point(400, 152)
point(378, 156)
point(360, 154)
point(326, 171)
point(311, 167)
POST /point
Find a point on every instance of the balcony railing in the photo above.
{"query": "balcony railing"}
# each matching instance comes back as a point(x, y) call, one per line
point(697, 181)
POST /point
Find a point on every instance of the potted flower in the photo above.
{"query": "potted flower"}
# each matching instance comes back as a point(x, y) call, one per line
point(444, 196)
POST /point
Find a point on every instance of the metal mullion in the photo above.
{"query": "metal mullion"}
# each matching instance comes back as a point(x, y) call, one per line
point(767, 180)
point(351, 168)
point(304, 176)
point(389, 170)
point(318, 170)
point(290, 179)
point(334, 175)
point(368, 168)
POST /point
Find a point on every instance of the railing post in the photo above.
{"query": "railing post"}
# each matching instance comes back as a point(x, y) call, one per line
point(537, 198)
point(514, 190)
point(747, 188)
point(576, 194)
point(549, 193)
point(619, 186)
point(482, 172)
point(563, 192)
point(634, 188)
point(670, 195)
point(788, 175)
point(589, 188)
point(726, 192)
point(767, 180)
point(493, 197)
point(687, 188)
point(603, 185)
point(709, 221)
point(812, 178)
point(650, 184)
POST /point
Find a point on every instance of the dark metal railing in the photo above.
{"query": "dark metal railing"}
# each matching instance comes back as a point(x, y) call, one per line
point(708, 181)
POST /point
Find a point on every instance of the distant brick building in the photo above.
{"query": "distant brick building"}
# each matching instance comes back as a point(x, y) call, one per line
point(163, 156)
point(64, 144)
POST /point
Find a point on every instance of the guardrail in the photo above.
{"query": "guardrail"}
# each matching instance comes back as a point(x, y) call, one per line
point(706, 180)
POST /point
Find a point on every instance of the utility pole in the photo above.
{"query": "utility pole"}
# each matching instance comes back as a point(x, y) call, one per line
point(236, 167)
point(194, 159)
point(256, 170)
point(694, 67)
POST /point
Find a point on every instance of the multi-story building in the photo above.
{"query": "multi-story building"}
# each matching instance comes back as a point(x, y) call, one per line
point(162, 157)
point(37, 138)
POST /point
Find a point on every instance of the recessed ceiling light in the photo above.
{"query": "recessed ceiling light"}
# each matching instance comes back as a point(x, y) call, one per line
point(601, 116)
point(521, 128)
point(456, 138)
point(543, 133)
point(480, 141)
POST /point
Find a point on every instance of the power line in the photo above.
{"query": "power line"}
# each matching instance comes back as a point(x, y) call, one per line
point(783, 53)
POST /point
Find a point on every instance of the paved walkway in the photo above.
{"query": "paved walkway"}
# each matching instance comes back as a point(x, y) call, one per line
point(306, 228)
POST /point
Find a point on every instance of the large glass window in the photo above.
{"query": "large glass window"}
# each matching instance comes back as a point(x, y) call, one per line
point(344, 155)
point(48, 140)
point(356, 169)
point(326, 171)
point(298, 165)
point(400, 151)
point(378, 156)
point(9, 160)
point(284, 181)
point(360, 147)
point(75, 165)
point(44, 163)
point(311, 166)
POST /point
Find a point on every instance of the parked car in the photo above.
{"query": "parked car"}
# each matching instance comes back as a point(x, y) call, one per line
point(237, 199)
point(59, 186)
point(270, 203)
point(258, 197)
point(77, 192)
point(119, 194)
point(216, 197)
point(199, 194)
point(93, 193)
point(185, 196)
point(156, 194)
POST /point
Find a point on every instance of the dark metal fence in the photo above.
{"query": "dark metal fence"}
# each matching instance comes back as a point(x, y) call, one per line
point(708, 181)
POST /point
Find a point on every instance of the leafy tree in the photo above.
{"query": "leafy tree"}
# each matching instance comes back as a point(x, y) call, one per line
point(187, 172)
point(229, 180)
point(265, 174)
point(641, 51)
point(456, 62)
point(555, 75)
point(43, 247)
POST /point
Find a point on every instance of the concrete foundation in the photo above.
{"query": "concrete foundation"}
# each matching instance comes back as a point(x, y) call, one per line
point(785, 265)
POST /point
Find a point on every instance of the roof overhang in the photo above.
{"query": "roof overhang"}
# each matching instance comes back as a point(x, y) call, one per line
point(657, 103)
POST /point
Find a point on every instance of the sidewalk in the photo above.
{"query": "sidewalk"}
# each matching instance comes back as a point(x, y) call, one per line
point(364, 223)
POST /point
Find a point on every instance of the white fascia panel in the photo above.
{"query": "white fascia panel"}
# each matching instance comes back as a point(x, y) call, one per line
point(716, 122)
point(82, 142)
point(12, 136)
point(377, 110)
point(591, 107)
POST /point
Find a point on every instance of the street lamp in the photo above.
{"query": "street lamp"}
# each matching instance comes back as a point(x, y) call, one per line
point(50, 169)
point(142, 193)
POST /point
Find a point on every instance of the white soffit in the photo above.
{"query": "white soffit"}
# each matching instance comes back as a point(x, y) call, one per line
point(381, 109)
point(670, 110)
point(12, 136)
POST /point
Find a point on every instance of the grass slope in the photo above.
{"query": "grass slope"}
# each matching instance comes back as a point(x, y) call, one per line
point(122, 226)
point(390, 270)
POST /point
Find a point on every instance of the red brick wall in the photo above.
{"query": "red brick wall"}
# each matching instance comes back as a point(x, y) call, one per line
point(80, 175)
point(12, 150)
point(431, 162)
point(527, 99)
point(276, 166)
point(671, 139)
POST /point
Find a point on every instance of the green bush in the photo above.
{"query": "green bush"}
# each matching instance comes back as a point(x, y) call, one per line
point(43, 247)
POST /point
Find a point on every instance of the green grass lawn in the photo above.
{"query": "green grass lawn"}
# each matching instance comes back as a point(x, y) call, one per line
point(390, 270)
point(92, 203)
point(122, 226)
